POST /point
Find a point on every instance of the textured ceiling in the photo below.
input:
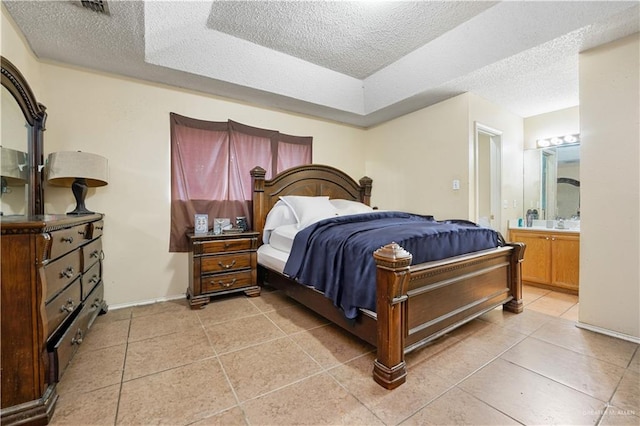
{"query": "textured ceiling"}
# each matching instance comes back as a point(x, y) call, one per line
point(359, 63)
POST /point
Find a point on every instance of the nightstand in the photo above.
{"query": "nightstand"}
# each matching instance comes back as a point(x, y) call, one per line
point(221, 264)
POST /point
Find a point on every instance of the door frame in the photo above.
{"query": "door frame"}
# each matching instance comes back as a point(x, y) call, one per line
point(495, 137)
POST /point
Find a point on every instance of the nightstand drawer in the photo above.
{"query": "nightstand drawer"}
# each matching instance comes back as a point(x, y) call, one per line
point(226, 262)
point(61, 272)
point(62, 306)
point(227, 245)
point(230, 281)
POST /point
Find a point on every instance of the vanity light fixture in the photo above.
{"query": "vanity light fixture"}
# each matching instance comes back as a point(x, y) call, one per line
point(559, 140)
point(78, 170)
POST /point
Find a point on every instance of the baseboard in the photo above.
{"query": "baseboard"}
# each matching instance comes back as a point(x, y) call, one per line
point(146, 302)
point(608, 332)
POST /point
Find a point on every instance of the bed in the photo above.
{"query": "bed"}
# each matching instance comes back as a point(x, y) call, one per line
point(415, 303)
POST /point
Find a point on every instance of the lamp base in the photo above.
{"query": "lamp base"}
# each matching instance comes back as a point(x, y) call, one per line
point(79, 189)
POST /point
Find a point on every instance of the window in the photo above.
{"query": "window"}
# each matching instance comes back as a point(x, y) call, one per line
point(210, 165)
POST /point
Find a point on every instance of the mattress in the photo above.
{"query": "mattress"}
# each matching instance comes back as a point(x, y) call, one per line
point(282, 237)
point(272, 258)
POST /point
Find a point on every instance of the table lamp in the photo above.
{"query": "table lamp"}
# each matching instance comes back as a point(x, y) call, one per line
point(79, 170)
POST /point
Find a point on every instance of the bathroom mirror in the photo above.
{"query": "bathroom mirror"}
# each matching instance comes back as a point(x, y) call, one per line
point(552, 182)
point(22, 127)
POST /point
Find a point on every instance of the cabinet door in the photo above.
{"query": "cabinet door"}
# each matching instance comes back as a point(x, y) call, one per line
point(565, 261)
point(536, 266)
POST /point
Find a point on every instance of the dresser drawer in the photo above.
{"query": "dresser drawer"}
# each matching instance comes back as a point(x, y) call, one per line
point(228, 245)
point(228, 281)
point(95, 229)
point(62, 306)
point(91, 278)
point(226, 262)
point(62, 350)
point(91, 253)
point(61, 272)
point(66, 240)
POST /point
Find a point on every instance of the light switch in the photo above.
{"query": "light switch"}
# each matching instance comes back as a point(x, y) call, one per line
point(456, 184)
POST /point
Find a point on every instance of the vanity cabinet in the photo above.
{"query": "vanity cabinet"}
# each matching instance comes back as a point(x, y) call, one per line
point(51, 292)
point(552, 258)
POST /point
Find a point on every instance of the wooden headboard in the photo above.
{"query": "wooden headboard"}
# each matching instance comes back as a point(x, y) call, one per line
point(309, 180)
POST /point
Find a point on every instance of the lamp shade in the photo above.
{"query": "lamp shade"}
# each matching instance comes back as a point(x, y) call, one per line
point(65, 166)
point(14, 167)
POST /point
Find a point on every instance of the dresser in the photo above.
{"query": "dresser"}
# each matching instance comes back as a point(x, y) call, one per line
point(52, 290)
point(221, 264)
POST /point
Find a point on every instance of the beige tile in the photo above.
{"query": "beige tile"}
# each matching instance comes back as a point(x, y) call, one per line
point(494, 339)
point(317, 400)
point(606, 348)
point(239, 333)
point(615, 416)
point(104, 334)
point(171, 321)
point(222, 309)
point(272, 301)
point(115, 315)
point(179, 396)
point(553, 303)
point(531, 293)
point(457, 361)
point(330, 345)
point(635, 362)
point(525, 322)
point(164, 352)
point(430, 349)
point(93, 370)
point(627, 396)
point(232, 416)
point(178, 305)
point(97, 407)
point(530, 398)
point(296, 318)
point(457, 407)
point(268, 366)
point(391, 406)
point(468, 329)
point(584, 373)
point(572, 313)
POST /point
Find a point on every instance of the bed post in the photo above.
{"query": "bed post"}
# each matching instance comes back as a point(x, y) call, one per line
point(516, 305)
point(365, 190)
point(258, 174)
point(392, 261)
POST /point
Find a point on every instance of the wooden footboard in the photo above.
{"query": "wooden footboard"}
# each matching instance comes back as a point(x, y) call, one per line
point(417, 304)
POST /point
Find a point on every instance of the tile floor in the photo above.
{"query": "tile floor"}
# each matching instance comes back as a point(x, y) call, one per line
point(269, 361)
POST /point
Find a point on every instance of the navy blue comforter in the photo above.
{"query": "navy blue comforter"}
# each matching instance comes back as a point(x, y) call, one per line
point(335, 255)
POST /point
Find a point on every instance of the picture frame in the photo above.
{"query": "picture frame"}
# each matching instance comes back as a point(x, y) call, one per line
point(220, 224)
point(201, 224)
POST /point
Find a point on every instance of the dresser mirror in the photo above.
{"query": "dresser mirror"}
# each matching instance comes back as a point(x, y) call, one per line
point(21, 142)
point(552, 182)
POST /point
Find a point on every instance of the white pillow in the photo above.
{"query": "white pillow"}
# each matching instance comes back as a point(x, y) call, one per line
point(279, 215)
point(346, 207)
point(309, 210)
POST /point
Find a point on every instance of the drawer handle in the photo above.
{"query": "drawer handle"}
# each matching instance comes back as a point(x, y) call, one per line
point(67, 239)
point(99, 228)
point(96, 303)
point(227, 245)
point(94, 279)
point(95, 253)
point(77, 339)
point(68, 307)
point(227, 285)
point(67, 272)
point(227, 266)
point(81, 232)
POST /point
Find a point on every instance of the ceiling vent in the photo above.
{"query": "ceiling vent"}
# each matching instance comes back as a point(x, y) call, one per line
point(99, 6)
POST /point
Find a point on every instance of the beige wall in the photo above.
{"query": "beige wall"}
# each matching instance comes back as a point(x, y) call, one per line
point(556, 123)
point(610, 184)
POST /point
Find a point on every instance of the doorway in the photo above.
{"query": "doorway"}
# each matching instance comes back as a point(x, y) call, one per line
point(488, 160)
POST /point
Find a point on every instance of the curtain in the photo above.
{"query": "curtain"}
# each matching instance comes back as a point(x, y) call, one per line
point(210, 165)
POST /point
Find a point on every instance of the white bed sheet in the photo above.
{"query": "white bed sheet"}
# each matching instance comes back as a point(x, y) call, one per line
point(282, 237)
point(272, 258)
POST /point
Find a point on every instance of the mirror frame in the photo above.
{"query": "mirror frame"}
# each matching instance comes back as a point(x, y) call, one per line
point(35, 116)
